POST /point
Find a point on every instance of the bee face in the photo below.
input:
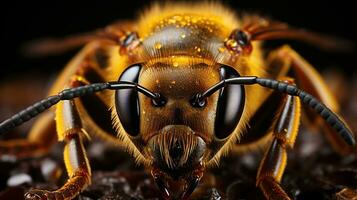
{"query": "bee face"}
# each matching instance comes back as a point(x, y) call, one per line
point(177, 136)
point(178, 132)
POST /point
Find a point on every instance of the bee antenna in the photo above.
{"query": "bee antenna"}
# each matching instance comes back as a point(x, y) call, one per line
point(329, 116)
point(71, 93)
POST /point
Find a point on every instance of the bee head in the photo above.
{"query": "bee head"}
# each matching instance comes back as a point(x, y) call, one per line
point(176, 136)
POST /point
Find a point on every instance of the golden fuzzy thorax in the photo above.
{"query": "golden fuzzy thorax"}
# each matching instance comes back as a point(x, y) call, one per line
point(186, 39)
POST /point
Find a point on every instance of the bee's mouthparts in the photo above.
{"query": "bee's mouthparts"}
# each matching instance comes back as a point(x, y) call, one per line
point(176, 149)
point(181, 189)
point(177, 154)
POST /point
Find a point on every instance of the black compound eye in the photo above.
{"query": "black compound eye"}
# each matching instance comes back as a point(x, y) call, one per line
point(230, 105)
point(127, 101)
point(242, 38)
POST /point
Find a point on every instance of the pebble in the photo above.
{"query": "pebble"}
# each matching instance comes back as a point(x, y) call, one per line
point(19, 179)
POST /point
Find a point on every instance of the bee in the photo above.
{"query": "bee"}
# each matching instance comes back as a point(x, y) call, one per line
point(179, 88)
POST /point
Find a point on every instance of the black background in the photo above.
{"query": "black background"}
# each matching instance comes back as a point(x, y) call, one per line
point(25, 21)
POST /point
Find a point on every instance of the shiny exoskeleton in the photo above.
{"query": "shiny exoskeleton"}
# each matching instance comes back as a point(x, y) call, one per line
point(183, 85)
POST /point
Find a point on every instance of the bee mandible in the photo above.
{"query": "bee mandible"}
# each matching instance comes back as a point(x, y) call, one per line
point(179, 88)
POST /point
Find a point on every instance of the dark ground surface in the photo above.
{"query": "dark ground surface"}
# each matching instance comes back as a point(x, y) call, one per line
point(314, 170)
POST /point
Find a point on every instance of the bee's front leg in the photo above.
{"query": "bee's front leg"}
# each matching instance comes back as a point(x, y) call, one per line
point(70, 130)
point(273, 164)
point(309, 79)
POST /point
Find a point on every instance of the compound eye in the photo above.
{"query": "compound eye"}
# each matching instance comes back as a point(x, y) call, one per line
point(230, 105)
point(127, 101)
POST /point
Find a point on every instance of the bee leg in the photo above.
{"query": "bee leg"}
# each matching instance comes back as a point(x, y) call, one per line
point(273, 164)
point(39, 141)
point(53, 46)
point(309, 79)
point(70, 130)
point(101, 126)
